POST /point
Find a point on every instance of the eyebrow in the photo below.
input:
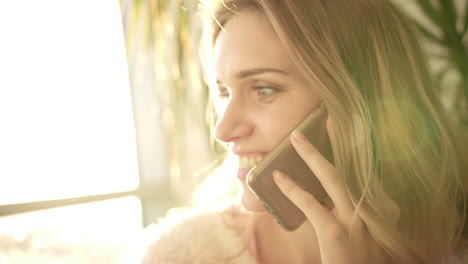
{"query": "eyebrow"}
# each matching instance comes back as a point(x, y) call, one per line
point(251, 72)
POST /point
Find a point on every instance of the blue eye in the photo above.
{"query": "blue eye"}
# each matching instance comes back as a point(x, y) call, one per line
point(265, 91)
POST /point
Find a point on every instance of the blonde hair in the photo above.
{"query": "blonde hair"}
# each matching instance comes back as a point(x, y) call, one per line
point(391, 133)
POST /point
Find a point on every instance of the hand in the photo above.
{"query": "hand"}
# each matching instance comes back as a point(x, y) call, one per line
point(332, 227)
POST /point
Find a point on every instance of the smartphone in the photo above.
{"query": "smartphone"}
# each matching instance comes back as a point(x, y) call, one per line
point(285, 159)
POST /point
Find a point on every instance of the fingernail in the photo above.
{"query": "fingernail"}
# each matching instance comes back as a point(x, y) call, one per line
point(298, 136)
point(279, 177)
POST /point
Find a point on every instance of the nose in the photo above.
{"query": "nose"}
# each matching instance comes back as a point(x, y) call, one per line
point(234, 123)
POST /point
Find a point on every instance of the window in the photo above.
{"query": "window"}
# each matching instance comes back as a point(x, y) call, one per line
point(67, 131)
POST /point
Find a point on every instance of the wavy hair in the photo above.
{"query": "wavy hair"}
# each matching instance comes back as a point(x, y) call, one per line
point(391, 133)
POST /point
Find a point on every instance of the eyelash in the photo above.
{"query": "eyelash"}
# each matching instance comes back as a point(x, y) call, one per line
point(260, 88)
point(225, 94)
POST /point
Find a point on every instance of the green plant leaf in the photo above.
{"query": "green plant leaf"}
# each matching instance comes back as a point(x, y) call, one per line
point(428, 34)
point(465, 26)
point(440, 56)
point(449, 20)
point(441, 74)
point(448, 9)
point(429, 10)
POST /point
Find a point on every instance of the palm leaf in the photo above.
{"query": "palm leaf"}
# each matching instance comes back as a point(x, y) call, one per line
point(448, 10)
point(449, 20)
point(428, 34)
point(445, 19)
point(429, 10)
point(465, 25)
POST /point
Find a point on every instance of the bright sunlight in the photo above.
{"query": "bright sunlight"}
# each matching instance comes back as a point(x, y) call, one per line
point(66, 123)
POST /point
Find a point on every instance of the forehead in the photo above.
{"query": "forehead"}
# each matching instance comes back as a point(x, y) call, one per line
point(247, 41)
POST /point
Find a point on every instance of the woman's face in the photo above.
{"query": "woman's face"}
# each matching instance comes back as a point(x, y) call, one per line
point(264, 94)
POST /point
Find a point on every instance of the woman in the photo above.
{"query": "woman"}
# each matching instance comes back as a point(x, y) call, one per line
point(397, 183)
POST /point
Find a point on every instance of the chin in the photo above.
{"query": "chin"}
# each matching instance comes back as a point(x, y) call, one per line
point(250, 200)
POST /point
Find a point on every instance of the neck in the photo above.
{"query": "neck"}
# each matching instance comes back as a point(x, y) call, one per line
point(276, 245)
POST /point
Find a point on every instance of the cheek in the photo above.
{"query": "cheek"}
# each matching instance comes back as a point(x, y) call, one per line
point(278, 123)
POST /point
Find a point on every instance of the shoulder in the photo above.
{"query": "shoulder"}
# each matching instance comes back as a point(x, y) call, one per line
point(199, 236)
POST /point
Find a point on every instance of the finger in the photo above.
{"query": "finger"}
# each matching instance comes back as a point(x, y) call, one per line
point(317, 214)
point(331, 234)
point(325, 172)
point(328, 203)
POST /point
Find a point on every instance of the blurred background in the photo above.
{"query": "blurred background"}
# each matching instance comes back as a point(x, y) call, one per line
point(104, 117)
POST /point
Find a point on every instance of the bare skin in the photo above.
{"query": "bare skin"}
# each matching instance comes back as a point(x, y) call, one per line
point(261, 107)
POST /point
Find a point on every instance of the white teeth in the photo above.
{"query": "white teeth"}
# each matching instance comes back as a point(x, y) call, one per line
point(252, 161)
point(248, 162)
point(243, 162)
point(259, 158)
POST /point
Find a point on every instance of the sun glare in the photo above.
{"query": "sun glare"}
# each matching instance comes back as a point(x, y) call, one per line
point(213, 192)
point(66, 122)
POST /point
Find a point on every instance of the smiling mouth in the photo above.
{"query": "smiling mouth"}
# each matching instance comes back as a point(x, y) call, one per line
point(247, 162)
